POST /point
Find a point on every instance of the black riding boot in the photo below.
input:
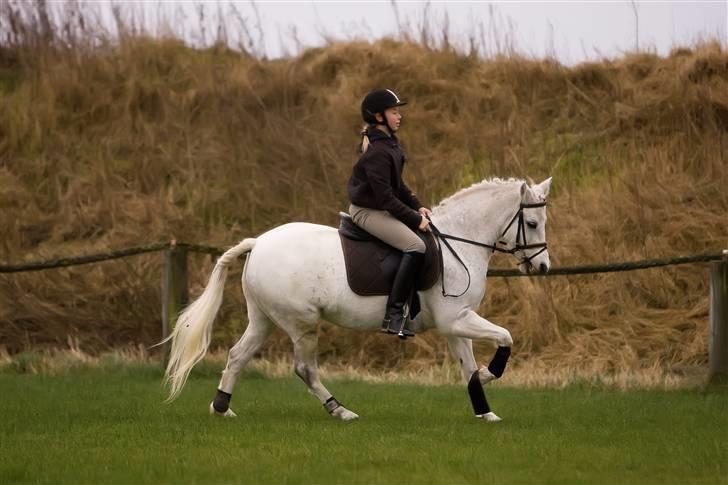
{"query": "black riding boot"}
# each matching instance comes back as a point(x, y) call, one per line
point(396, 316)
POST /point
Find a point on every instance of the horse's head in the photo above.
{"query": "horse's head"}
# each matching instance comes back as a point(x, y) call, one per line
point(526, 232)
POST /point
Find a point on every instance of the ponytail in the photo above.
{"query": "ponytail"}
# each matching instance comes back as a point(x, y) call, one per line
point(364, 144)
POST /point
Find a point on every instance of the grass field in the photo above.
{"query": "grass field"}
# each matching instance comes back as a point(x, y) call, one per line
point(110, 426)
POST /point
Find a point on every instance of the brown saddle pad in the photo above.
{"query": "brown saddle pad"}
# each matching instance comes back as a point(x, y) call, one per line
point(371, 264)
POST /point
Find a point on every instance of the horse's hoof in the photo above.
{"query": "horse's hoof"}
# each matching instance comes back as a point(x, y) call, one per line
point(227, 414)
point(344, 414)
point(490, 417)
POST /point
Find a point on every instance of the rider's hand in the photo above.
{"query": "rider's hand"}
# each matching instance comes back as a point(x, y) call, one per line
point(424, 224)
point(424, 211)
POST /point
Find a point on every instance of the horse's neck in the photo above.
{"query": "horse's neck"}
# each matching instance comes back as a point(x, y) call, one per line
point(479, 215)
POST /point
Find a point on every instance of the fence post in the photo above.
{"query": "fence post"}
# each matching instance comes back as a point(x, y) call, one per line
point(719, 320)
point(174, 288)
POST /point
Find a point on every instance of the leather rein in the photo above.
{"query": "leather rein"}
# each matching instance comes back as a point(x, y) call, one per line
point(521, 244)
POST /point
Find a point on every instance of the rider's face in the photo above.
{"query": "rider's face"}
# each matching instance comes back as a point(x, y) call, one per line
point(393, 117)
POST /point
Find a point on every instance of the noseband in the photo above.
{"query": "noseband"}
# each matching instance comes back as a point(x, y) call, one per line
point(520, 246)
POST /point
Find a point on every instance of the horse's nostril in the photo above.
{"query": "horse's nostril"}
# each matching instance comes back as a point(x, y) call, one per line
point(544, 267)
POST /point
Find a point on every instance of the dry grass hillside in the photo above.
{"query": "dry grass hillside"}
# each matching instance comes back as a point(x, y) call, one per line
point(107, 145)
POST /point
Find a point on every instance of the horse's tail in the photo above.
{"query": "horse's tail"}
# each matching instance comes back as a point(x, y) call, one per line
point(191, 335)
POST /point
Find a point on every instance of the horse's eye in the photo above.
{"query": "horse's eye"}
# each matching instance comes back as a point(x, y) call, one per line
point(532, 224)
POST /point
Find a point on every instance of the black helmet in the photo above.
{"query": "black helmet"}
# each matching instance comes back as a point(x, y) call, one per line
point(376, 102)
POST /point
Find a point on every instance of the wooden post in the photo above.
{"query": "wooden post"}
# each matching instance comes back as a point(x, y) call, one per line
point(174, 288)
point(719, 320)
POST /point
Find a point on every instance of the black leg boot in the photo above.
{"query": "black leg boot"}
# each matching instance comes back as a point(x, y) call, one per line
point(395, 316)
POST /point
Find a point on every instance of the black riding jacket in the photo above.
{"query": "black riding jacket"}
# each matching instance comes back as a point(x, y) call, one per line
point(376, 181)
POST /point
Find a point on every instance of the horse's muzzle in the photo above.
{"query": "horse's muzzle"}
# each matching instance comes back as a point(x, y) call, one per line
point(528, 267)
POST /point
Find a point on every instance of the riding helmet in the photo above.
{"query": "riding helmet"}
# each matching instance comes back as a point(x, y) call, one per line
point(376, 102)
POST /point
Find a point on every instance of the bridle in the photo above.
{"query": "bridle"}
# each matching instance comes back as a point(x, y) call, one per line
point(521, 235)
point(521, 244)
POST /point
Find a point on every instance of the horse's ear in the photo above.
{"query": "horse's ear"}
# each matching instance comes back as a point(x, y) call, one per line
point(545, 186)
point(524, 190)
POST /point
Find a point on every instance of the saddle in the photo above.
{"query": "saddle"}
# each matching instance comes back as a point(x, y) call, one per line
point(371, 264)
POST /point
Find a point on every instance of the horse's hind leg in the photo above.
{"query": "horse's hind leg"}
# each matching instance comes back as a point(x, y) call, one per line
point(305, 349)
point(259, 328)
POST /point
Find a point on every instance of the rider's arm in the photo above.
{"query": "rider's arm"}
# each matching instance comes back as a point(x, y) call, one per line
point(408, 197)
point(378, 168)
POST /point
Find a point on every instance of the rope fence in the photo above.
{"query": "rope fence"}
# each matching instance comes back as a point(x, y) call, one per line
point(175, 294)
point(204, 249)
point(616, 267)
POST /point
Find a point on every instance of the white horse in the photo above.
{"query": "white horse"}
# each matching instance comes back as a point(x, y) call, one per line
point(295, 276)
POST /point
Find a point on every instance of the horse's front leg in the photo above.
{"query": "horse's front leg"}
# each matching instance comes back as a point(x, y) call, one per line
point(460, 333)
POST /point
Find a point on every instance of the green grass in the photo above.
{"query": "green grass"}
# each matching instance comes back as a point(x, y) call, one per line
point(110, 426)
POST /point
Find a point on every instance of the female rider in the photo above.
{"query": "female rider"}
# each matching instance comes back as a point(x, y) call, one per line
point(383, 205)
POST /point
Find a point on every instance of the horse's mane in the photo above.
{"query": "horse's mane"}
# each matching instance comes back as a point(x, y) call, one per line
point(494, 183)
